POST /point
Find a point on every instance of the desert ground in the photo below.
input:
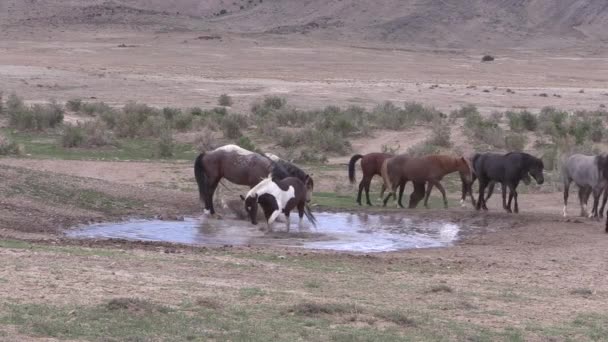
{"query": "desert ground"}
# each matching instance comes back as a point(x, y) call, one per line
point(535, 276)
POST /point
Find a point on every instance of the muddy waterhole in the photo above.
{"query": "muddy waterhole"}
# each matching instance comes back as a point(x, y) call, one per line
point(335, 231)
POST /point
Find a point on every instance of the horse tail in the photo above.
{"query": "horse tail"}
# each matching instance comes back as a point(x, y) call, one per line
point(199, 174)
point(386, 177)
point(351, 167)
point(309, 215)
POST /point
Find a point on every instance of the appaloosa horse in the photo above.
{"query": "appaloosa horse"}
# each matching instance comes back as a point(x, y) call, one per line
point(589, 173)
point(241, 167)
point(278, 197)
point(371, 165)
point(428, 169)
point(508, 169)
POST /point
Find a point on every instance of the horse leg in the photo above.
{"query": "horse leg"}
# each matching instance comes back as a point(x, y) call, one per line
point(427, 195)
point(301, 207)
point(287, 222)
point(513, 194)
point(506, 205)
point(209, 201)
point(361, 186)
point(401, 189)
point(480, 197)
point(604, 199)
point(596, 199)
point(566, 194)
point(367, 184)
point(582, 198)
point(490, 190)
point(440, 187)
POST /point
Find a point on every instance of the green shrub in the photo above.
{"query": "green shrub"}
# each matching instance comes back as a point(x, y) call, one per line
point(521, 121)
point(7, 146)
point(92, 108)
point(196, 111)
point(580, 129)
point(422, 149)
point(225, 100)
point(465, 111)
point(171, 113)
point(37, 117)
point(165, 145)
point(486, 131)
point(1, 104)
point(274, 102)
point(183, 121)
point(391, 149)
point(441, 136)
point(597, 131)
point(74, 104)
point(72, 136)
point(552, 122)
point(308, 155)
point(515, 142)
point(246, 143)
point(231, 125)
point(287, 139)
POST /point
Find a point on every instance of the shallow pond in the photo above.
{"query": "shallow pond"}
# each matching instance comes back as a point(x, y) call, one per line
point(335, 231)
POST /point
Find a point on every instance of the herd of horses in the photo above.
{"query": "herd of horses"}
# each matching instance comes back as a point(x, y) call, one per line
point(279, 186)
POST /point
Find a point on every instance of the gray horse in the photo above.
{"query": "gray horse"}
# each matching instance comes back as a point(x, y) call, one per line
point(589, 174)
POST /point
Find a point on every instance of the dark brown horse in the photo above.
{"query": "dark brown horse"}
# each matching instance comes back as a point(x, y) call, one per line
point(371, 165)
point(399, 170)
point(241, 167)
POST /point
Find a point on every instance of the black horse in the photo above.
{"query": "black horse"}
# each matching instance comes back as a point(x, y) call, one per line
point(509, 170)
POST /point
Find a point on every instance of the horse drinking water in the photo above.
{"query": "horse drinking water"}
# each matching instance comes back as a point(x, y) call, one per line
point(241, 167)
point(278, 197)
point(589, 173)
point(508, 170)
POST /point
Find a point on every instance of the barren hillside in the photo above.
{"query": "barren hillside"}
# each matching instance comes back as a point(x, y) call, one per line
point(441, 23)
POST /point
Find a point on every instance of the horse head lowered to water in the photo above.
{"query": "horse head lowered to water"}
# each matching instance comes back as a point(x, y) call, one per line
point(277, 197)
point(241, 167)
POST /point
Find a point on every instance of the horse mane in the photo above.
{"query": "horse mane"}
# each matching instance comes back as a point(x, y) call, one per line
point(264, 182)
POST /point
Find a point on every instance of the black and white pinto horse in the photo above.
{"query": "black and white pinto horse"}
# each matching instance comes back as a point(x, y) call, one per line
point(509, 170)
point(278, 197)
point(590, 174)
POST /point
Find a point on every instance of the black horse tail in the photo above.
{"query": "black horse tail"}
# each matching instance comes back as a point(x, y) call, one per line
point(201, 179)
point(310, 216)
point(351, 167)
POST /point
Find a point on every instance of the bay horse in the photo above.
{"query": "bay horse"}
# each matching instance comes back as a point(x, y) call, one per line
point(589, 174)
point(427, 169)
point(508, 169)
point(371, 165)
point(278, 197)
point(241, 167)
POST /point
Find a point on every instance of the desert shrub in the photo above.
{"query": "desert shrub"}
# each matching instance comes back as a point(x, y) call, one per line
point(521, 121)
point(204, 140)
point(110, 118)
point(36, 117)
point(74, 104)
point(440, 136)
point(196, 111)
point(597, 131)
point(515, 142)
point(88, 135)
point(274, 102)
point(422, 149)
point(137, 120)
point(486, 131)
point(391, 149)
point(218, 112)
point(580, 129)
point(182, 121)
point(308, 155)
point(171, 113)
point(417, 112)
point(496, 116)
point(325, 141)
point(487, 58)
point(552, 121)
point(225, 100)
point(73, 136)
point(550, 157)
point(140, 110)
point(165, 145)
point(246, 143)
point(387, 115)
point(92, 108)
point(287, 139)
point(464, 112)
point(8, 146)
point(232, 124)
point(1, 104)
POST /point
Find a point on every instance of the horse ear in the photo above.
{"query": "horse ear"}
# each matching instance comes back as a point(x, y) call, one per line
point(242, 197)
